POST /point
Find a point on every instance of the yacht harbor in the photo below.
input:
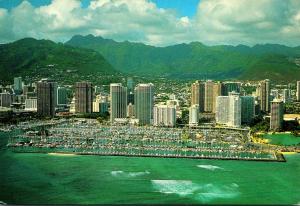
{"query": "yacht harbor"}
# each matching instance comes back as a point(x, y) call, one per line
point(91, 138)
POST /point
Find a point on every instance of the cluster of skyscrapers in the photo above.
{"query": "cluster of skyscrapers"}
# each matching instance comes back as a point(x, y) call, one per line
point(231, 107)
point(226, 103)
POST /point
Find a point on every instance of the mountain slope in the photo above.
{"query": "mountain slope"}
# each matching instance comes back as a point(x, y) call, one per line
point(44, 58)
point(195, 60)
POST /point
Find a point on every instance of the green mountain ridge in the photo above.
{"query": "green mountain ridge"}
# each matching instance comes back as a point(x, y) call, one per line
point(196, 60)
point(44, 58)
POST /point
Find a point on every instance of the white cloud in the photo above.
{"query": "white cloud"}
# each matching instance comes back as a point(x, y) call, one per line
point(216, 22)
point(249, 21)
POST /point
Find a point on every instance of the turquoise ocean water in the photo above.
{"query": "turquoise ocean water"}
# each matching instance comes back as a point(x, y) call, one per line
point(53, 179)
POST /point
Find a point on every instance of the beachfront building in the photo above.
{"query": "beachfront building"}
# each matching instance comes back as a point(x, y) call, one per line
point(164, 115)
point(83, 97)
point(143, 101)
point(118, 101)
point(46, 97)
point(276, 120)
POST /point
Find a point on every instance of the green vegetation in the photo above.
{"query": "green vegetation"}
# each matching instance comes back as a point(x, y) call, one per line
point(96, 115)
point(37, 59)
point(259, 124)
point(196, 61)
point(180, 122)
point(292, 108)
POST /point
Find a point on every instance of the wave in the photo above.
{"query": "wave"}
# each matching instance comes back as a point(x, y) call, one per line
point(129, 174)
point(180, 187)
point(203, 193)
point(116, 173)
point(210, 167)
point(135, 174)
point(2, 203)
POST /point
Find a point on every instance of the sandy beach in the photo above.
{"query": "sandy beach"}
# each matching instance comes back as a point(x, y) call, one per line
point(61, 154)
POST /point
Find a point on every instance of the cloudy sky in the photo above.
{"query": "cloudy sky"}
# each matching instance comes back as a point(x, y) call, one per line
point(154, 22)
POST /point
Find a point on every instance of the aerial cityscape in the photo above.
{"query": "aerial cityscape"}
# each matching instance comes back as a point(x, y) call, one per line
point(95, 113)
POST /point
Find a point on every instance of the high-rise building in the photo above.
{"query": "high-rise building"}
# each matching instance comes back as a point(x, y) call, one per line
point(286, 95)
point(228, 110)
point(83, 97)
point(130, 110)
point(6, 99)
point(130, 90)
point(234, 110)
point(118, 102)
point(217, 88)
point(164, 115)
point(130, 97)
point(277, 112)
point(230, 87)
point(18, 85)
point(265, 95)
point(195, 89)
point(31, 104)
point(248, 109)
point(143, 95)
point(298, 91)
point(274, 93)
point(61, 96)
point(194, 115)
point(130, 85)
point(208, 96)
point(222, 107)
point(100, 106)
point(198, 94)
point(98, 90)
point(46, 97)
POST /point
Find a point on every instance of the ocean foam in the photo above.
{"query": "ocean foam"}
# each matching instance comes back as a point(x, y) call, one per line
point(116, 173)
point(203, 193)
point(2, 203)
point(180, 187)
point(135, 174)
point(129, 174)
point(210, 167)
